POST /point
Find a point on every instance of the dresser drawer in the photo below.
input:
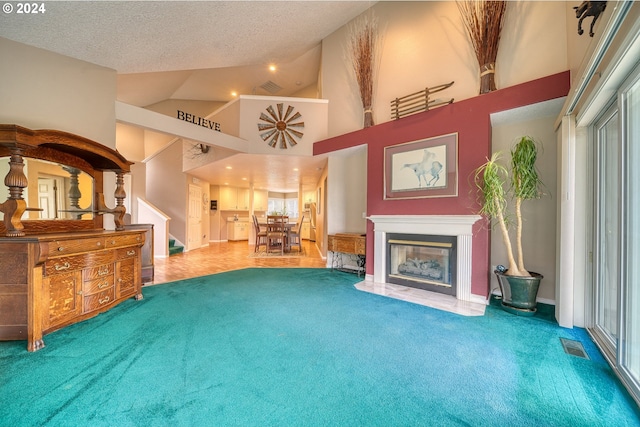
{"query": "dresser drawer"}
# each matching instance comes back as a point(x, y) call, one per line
point(101, 299)
point(77, 262)
point(115, 241)
point(125, 253)
point(64, 247)
point(347, 243)
point(97, 285)
point(97, 272)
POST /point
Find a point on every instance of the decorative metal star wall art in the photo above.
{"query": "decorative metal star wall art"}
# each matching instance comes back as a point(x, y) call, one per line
point(279, 126)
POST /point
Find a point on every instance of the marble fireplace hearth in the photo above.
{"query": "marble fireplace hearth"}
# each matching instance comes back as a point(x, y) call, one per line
point(460, 226)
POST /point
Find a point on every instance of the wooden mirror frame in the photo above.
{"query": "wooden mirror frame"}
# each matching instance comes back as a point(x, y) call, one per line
point(66, 148)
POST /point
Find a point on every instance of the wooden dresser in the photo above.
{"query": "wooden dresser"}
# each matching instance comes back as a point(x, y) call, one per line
point(51, 281)
point(58, 265)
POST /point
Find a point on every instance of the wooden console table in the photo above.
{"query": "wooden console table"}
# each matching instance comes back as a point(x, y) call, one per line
point(348, 243)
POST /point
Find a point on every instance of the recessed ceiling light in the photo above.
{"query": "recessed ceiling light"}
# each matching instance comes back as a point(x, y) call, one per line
point(295, 169)
point(229, 167)
point(234, 93)
point(272, 67)
point(244, 179)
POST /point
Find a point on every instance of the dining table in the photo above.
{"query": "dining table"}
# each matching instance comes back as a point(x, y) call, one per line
point(288, 227)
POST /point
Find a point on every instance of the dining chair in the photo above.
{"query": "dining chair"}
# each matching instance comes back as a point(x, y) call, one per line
point(295, 236)
point(261, 235)
point(276, 232)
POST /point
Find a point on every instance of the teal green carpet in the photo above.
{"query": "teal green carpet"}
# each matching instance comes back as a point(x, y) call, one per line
point(303, 347)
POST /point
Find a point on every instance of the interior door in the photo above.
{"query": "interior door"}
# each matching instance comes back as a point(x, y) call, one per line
point(195, 217)
point(47, 198)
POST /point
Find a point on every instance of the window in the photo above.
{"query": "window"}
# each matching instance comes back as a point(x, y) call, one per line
point(287, 205)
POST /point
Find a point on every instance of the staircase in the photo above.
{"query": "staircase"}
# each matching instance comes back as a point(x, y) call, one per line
point(173, 248)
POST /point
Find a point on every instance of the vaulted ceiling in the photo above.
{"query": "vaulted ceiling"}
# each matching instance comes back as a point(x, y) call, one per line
point(192, 50)
point(188, 49)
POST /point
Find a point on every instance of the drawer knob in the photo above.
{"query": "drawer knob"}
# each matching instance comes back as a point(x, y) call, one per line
point(113, 242)
point(64, 266)
point(60, 248)
point(99, 243)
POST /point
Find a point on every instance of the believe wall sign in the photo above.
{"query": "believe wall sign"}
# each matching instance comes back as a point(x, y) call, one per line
point(198, 121)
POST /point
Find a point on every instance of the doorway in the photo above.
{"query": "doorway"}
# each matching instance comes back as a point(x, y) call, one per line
point(194, 219)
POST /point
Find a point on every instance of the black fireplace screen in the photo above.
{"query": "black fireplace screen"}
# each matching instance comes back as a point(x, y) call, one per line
point(421, 261)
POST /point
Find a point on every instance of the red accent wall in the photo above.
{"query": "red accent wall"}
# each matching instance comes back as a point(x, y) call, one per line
point(470, 119)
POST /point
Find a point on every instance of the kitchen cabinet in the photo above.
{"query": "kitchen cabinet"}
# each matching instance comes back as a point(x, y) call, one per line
point(306, 230)
point(234, 199)
point(260, 200)
point(237, 230)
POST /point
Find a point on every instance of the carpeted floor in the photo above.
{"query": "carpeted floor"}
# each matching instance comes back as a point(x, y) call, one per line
point(303, 347)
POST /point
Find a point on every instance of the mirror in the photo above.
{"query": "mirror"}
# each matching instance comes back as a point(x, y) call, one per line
point(55, 191)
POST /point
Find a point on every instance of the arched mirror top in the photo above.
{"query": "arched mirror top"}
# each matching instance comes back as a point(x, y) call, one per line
point(62, 147)
point(26, 151)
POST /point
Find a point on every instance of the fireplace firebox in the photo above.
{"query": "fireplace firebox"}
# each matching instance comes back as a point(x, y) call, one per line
point(422, 261)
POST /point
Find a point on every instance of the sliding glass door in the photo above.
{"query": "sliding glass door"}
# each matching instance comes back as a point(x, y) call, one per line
point(630, 302)
point(607, 230)
point(616, 284)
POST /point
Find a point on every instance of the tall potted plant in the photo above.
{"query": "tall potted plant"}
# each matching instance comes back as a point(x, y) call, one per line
point(518, 285)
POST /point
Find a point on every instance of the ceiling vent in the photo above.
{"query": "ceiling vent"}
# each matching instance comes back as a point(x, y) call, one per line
point(271, 87)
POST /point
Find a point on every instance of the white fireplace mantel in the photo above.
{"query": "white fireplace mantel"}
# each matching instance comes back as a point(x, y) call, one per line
point(446, 225)
point(460, 226)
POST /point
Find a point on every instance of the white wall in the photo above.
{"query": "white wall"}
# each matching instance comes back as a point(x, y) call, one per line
point(170, 107)
point(138, 188)
point(167, 187)
point(347, 177)
point(539, 228)
point(229, 117)
point(313, 115)
point(425, 45)
point(44, 90)
point(130, 142)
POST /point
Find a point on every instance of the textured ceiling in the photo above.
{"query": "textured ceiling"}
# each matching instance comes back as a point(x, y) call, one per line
point(200, 50)
point(191, 50)
point(147, 36)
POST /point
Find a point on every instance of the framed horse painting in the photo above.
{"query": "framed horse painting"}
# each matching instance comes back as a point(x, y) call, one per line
point(423, 168)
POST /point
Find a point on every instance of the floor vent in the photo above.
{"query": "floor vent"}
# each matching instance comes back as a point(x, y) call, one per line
point(271, 87)
point(574, 348)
